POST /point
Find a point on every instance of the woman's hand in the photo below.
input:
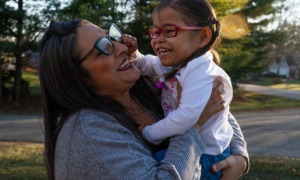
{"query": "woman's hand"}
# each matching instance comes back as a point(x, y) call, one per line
point(215, 103)
point(232, 167)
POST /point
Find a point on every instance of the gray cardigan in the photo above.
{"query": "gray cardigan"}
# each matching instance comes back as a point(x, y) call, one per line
point(94, 145)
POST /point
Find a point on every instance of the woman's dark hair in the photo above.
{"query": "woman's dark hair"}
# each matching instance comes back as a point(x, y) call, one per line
point(197, 13)
point(64, 87)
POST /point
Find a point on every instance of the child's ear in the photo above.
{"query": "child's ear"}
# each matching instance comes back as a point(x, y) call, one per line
point(205, 37)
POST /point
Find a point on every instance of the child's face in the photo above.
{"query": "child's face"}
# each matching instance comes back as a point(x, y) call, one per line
point(175, 50)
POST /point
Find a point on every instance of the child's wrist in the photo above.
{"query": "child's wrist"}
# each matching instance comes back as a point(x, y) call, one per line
point(134, 56)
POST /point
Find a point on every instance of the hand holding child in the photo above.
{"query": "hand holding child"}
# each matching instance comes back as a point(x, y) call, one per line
point(215, 103)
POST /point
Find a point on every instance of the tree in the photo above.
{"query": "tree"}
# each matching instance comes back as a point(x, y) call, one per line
point(289, 25)
point(18, 30)
point(140, 22)
point(96, 11)
point(246, 38)
point(132, 16)
point(20, 25)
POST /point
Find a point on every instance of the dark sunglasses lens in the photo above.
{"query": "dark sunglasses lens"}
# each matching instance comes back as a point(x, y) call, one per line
point(114, 33)
point(105, 46)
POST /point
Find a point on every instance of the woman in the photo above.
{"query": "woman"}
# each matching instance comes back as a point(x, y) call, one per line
point(94, 101)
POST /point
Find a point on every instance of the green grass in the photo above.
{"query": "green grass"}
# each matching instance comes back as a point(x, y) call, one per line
point(19, 160)
point(257, 102)
point(33, 80)
point(30, 104)
point(290, 86)
point(278, 83)
point(270, 167)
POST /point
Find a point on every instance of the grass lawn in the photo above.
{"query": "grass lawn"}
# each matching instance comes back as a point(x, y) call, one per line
point(33, 80)
point(257, 102)
point(278, 83)
point(289, 86)
point(270, 167)
point(19, 160)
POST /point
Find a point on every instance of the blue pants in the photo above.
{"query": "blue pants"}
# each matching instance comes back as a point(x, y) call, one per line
point(206, 162)
point(159, 155)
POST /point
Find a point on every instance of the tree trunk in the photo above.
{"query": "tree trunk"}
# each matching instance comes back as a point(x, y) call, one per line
point(18, 53)
point(1, 83)
point(18, 76)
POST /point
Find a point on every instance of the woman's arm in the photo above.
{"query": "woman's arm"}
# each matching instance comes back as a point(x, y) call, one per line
point(97, 146)
point(238, 145)
point(238, 162)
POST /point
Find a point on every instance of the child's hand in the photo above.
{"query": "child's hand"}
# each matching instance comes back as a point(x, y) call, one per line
point(131, 43)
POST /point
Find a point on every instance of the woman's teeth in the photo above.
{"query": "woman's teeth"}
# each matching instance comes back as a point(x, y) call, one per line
point(124, 66)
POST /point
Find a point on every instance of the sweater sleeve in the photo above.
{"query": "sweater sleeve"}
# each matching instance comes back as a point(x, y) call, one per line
point(238, 145)
point(94, 145)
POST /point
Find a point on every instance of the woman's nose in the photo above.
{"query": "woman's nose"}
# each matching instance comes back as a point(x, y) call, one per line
point(120, 48)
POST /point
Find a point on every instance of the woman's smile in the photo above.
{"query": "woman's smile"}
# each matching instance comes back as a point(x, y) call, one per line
point(125, 65)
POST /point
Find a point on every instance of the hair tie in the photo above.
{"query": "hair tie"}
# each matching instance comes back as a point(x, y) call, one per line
point(215, 21)
point(218, 27)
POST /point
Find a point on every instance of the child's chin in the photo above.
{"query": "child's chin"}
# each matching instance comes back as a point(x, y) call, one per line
point(165, 62)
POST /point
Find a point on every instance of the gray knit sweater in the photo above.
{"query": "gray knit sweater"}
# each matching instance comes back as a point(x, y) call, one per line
point(94, 145)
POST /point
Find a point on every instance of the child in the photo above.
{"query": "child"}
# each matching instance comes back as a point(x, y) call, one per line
point(183, 35)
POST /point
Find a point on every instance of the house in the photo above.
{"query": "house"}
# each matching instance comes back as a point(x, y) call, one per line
point(29, 59)
point(8, 62)
point(285, 68)
point(273, 67)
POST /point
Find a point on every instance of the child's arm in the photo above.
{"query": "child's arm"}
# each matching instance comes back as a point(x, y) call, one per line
point(194, 96)
point(149, 65)
point(131, 44)
point(197, 83)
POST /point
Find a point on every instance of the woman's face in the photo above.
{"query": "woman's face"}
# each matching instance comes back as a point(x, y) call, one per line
point(109, 75)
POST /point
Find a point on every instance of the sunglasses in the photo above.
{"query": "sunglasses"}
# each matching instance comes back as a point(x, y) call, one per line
point(169, 30)
point(104, 44)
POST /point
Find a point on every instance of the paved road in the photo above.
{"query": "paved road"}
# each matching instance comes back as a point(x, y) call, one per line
point(21, 128)
point(272, 133)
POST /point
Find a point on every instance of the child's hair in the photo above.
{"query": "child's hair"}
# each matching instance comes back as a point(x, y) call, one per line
point(197, 13)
